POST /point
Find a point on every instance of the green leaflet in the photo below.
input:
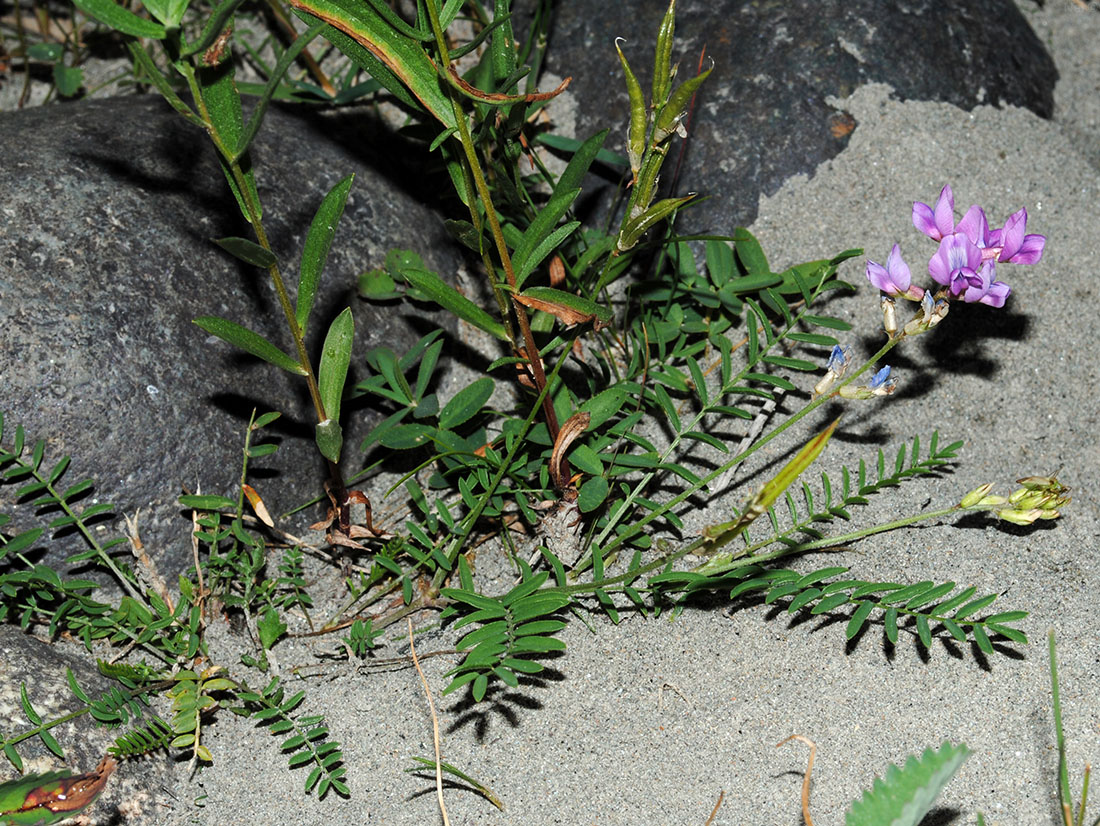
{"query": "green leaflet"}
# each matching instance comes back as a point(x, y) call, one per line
point(248, 341)
point(315, 253)
point(335, 358)
point(905, 795)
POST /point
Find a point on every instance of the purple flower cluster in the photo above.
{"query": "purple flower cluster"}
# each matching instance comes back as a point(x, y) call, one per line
point(966, 260)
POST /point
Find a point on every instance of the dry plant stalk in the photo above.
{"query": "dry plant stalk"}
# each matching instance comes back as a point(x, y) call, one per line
point(805, 780)
point(435, 727)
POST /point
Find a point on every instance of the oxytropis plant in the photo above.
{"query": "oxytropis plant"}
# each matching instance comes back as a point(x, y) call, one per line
point(624, 348)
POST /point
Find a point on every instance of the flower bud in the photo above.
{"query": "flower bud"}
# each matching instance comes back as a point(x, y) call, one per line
point(882, 384)
point(889, 316)
point(1020, 517)
point(932, 312)
point(976, 496)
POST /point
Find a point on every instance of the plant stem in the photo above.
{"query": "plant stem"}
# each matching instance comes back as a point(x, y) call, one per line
point(530, 349)
point(691, 490)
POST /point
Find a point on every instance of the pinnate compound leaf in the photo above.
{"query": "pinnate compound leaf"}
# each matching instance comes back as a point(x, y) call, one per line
point(905, 795)
point(248, 341)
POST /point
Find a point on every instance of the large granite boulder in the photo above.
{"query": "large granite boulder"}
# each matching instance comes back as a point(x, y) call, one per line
point(106, 256)
point(763, 114)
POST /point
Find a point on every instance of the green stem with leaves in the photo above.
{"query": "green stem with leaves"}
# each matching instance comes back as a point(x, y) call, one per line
point(474, 165)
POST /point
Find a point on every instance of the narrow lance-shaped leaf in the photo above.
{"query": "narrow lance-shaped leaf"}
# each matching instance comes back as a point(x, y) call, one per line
point(249, 341)
point(331, 375)
point(151, 71)
point(502, 49)
point(550, 243)
point(403, 58)
point(579, 164)
point(451, 299)
point(223, 103)
point(248, 251)
point(547, 218)
point(318, 243)
point(121, 19)
point(213, 28)
point(635, 228)
point(567, 308)
point(248, 134)
point(720, 535)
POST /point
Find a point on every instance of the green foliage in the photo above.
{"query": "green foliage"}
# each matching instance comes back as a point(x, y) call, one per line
point(639, 348)
point(155, 734)
point(192, 694)
point(905, 795)
point(308, 744)
point(361, 638)
point(514, 628)
point(122, 704)
point(929, 607)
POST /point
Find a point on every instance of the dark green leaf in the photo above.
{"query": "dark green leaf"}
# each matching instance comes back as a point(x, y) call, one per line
point(466, 404)
point(329, 437)
point(121, 19)
point(859, 619)
point(451, 299)
point(207, 503)
point(249, 341)
point(248, 251)
point(335, 357)
point(321, 232)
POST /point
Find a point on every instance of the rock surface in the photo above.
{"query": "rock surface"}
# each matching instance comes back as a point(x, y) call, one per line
point(106, 256)
point(763, 114)
point(136, 793)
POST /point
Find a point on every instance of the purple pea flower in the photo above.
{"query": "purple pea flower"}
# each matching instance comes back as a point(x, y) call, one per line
point(956, 261)
point(958, 266)
point(939, 222)
point(1008, 245)
point(894, 279)
point(1012, 245)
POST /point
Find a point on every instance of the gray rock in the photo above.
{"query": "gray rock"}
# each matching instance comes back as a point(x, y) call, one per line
point(106, 256)
point(138, 790)
point(762, 116)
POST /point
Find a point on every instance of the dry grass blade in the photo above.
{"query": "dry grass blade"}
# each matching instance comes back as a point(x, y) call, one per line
point(435, 727)
point(805, 780)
